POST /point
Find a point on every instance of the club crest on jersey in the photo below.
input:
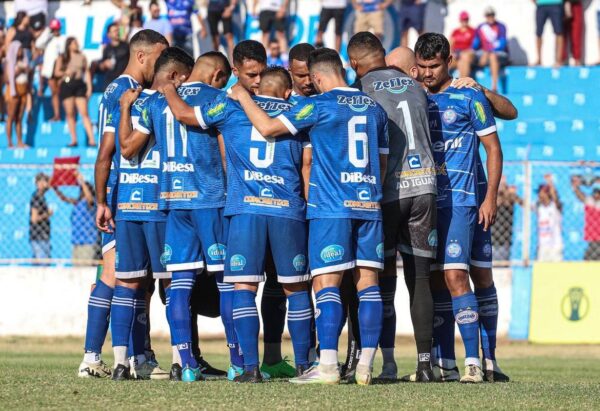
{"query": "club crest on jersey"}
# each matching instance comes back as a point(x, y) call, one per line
point(237, 262)
point(305, 112)
point(358, 103)
point(332, 253)
point(449, 116)
point(299, 263)
point(111, 88)
point(432, 238)
point(454, 250)
point(379, 250)
point(396, 85)
point(217, 252)
point(414, 161)
point(166, 255)
point(467, 316)
point(480, 112)
point(216, 110)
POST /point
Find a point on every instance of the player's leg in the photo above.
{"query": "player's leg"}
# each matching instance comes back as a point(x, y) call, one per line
point(281, 34)
point(350, 306)
point(244, 267)
point(338, 16)
point(324, 18)
point(228, 33)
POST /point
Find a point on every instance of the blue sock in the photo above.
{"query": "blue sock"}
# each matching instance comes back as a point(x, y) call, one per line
point(443, 327)
point(226, 307)
point(370, 316)
point(466, 314)
point(488, 320)
point(98, 317)
point(272, 310)
point(247, 325)
point(168, 311)
point(121, 315)
point(387, 286)
point(299, 321)
point(328, 317)
point(181, 317)
point(137, 341)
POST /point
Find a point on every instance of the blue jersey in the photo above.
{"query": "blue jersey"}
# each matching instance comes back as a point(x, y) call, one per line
point(457, 119)
point(348, 131)
point(192, 175)
point(137, 198)
point(179, 13)
point(263, 173)
point(109, 115)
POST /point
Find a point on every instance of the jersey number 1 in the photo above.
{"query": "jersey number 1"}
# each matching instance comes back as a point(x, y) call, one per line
point(170, 120)
point(269, 150)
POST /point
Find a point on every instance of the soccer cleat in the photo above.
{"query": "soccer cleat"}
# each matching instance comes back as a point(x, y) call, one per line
point(282, 369)
point(493, 373)
point(94, 370)
point(175, 374)
point(149, 371)
point(189, 374)
point(253, 376)
point(301, 369)
point(423, 375)
point(473, 375)
point(208, 370)
point(389, 371)
point(441, 374)
point(121, 373)
point(363, 375)
point(319, 374)
point(234, 371)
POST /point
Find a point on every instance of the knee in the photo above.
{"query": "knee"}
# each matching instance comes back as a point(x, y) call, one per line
point(253, 287)
point(482, 277)
point(295, 288)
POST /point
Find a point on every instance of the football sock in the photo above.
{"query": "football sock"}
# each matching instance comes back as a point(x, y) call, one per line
point(195, 336)
point(121, 314)
point(388, 330)
point(98, 318)
point(443, 329)
point(186, 355)
point(299, 321)
point(388, 355)
point(312, 353)
point(180, 315)
point(247, 325)
point(466, 314)
point(226, 308)
point(137, 342)
point(272, 309)
point(168, 311)
point(370, 319)
point(329, 309)
point(488, 319)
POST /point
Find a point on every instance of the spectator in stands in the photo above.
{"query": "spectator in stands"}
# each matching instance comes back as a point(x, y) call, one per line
point(549, 221)
point(491, 46)
point(114, 56)
point(135, 23)
point(275, 56)
point(158, 23)
point(574, 28)
point(272, 15)
point(221, 11)
point(554, 11)
point(75, 89)
point(39, 219)
point(53, 44)
point(2, 53)
point(37, 10)
point(336, 10)
point(179, 13)
point(412, 15)
point(502, 233)
point(84, 234)
point(598, 26)
point(461, 43)
point(21, 32)
point(17, 90)
point(369, 15)
point(591, 230)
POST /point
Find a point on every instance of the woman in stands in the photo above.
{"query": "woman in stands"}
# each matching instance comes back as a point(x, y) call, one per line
point(18, 90)
point(75, 89)
point(20, 31)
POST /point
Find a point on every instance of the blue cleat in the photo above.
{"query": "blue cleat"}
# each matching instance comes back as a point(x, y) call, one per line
point(234, 371)
point(189, 374)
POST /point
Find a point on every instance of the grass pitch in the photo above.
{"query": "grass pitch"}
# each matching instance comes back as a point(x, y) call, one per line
point(41, 373)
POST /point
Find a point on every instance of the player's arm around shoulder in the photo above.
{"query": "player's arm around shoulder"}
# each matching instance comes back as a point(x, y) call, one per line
point(129, 139)
point(182, 112)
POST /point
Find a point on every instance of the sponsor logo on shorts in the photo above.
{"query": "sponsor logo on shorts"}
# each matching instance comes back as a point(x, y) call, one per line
point(454, 250)
point(217, 252)
point(166, 255)
point(449, 116)
point(467, 317)
point(414, 161)
point(299, 262)
point(332, 253)
point(237, 262)
point(437, 321)
point(487, 249)
point(432, 238)
point(489, 310)
point(379, 250)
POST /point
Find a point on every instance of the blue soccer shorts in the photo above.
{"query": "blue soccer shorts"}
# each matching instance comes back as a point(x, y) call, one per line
point(139, 247)
point(481, 251)
point(338, 244)
point(196, 239)
point(108, 242)
point(250, 235)
point(456, 229)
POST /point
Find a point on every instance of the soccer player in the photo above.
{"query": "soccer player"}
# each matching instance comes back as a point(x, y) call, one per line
point(348, 133)
point(298, 68)
point(459, 120)
point(145, 47)
point(408, 205)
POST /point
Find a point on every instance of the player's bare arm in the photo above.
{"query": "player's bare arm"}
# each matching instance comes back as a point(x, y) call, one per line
point(502, 107)
point(131, 141)
point(306, 166)
point(487, 210)
point(181, 110)
point(266, 126)
point(221, 141)
point(104, 218)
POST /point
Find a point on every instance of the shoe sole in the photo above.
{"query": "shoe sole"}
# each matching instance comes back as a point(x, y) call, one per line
point(160, 376)
point(85, 374)
point(322, 382)
point(469, 381)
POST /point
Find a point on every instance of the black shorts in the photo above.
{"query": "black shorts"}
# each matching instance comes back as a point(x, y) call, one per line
point(337, 15)
point(74, 88)
point(409, 226)
point(268, 20)
point(412, 16)
point(555, 13)
point(214, 17)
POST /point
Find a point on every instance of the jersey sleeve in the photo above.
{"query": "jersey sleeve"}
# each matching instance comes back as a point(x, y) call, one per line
point(300, 117)
point(143, 123)
point(482, 117)
point(214, 113)
point(136, 113)
point(112, 118)
point(382, 134)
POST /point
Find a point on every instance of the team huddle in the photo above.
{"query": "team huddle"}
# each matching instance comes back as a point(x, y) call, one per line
point(295, 178)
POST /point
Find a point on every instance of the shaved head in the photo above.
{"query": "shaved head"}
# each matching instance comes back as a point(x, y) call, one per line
point(212, 68)
point(404, 59)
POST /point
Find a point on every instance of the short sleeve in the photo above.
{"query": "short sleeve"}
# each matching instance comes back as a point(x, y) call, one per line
point(301, 117)
point(214, 113)
point(112, 119)
point(143, 119)
point(136, 113)
point(482, 117)
point(382, 134)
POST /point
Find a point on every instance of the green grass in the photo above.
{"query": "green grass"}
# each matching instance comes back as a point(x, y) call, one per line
point(41, 373)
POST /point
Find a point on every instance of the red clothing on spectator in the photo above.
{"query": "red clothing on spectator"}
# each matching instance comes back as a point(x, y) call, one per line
point(462, 38)
point(574, 33)
point(591, 230)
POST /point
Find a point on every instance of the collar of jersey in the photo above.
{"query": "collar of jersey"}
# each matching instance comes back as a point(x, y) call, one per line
point(274, 98)
point(189, 83)
point(346, 89)
point(149, 91)
point(129, 77)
